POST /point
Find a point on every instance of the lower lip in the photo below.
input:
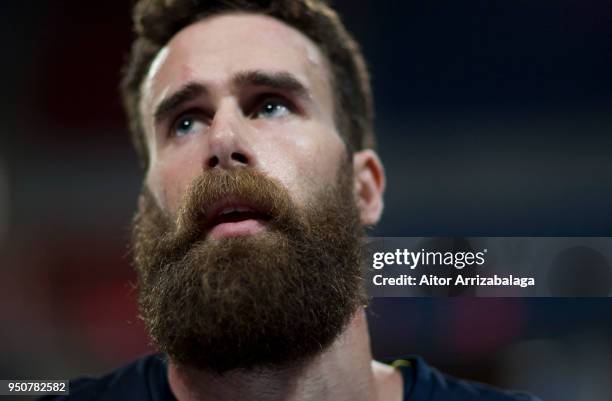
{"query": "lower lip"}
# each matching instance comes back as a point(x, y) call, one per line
point(237, 229)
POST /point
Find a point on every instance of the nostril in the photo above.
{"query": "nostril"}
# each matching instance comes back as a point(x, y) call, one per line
point(240, 158)
point(213, 161)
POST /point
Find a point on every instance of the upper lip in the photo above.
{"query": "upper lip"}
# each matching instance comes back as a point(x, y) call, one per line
point(227, 206)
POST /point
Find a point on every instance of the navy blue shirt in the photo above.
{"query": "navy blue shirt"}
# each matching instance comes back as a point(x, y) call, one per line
point(146, 380)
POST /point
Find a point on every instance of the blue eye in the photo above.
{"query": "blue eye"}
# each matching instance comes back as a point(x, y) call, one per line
point(273, 109)
point(185, 125)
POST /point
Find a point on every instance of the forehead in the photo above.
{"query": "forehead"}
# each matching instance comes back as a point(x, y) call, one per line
point(216, 48)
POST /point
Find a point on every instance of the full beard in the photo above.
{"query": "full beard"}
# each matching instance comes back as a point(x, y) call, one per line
point(279, 297)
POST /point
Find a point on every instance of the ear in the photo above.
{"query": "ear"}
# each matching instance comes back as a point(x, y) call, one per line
point(369, 181)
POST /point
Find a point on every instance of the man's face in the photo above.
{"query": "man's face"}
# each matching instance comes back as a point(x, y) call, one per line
point(263, 100)
point(247, 238)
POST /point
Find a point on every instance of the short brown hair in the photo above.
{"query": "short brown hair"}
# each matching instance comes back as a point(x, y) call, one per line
point(157, 21)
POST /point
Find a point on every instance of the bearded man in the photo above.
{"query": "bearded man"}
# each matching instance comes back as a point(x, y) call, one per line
point(254, 124)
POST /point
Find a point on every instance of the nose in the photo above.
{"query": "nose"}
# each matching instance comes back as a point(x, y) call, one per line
point(228, 144)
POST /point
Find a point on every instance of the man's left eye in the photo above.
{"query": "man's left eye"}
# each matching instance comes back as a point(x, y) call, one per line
point(272, 109)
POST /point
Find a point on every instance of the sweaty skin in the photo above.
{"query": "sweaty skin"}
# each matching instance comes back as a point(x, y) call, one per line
point(284, 148)
point(289, 135)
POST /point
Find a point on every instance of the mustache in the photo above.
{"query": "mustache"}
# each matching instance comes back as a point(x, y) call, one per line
point(265, 195)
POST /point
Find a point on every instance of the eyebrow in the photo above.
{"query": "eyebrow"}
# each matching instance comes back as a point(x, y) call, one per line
point(282, 81)
point(187, 93)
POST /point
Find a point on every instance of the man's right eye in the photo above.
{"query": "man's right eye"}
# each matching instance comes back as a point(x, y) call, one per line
point(186, 125)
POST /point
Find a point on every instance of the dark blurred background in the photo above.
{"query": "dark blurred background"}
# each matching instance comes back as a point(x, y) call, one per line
point(493, 118)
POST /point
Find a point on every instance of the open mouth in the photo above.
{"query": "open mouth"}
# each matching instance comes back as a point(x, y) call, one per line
point(234, 218)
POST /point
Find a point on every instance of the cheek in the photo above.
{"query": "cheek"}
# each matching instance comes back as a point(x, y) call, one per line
point(168, 182)
point(305, 161)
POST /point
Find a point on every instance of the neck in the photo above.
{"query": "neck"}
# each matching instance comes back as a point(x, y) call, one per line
point(345, 371)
